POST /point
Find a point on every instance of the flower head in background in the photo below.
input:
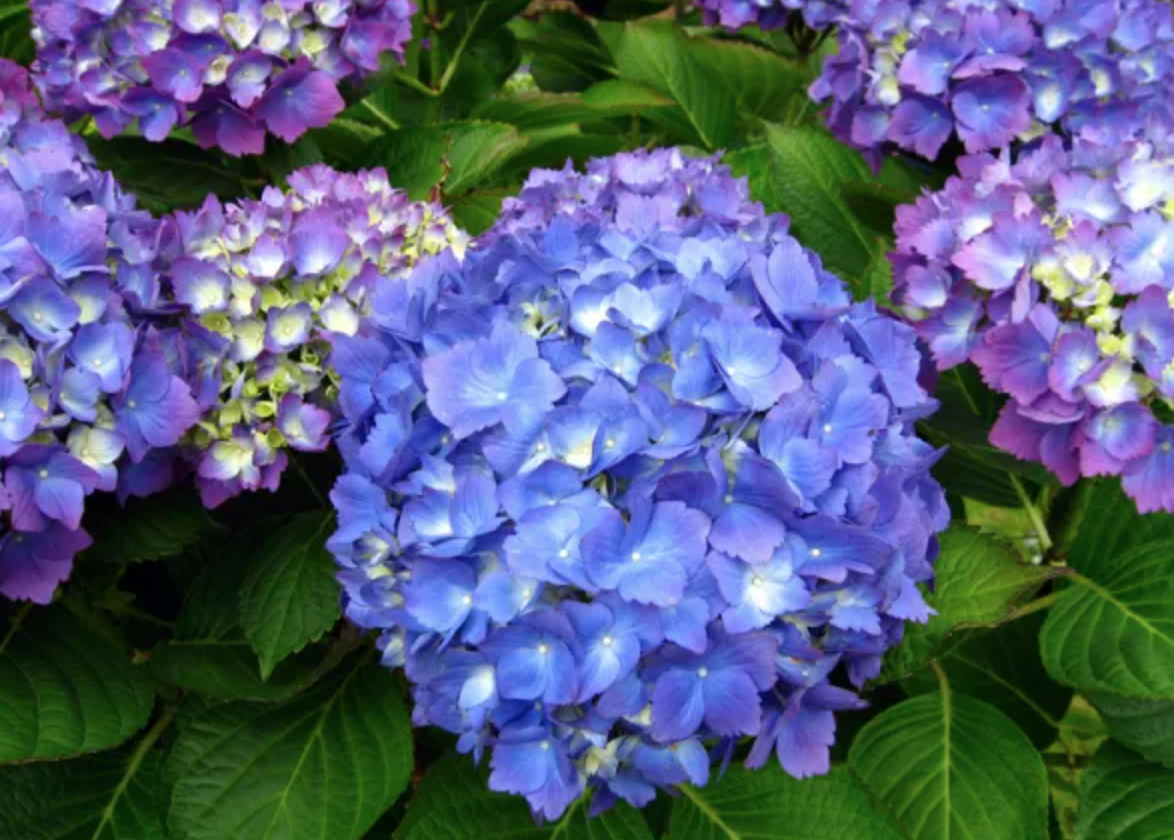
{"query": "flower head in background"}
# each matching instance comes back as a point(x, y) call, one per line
point(915, 74)
point(1053, 271)
point(86, 393)
point(630, 483)
point(770, 14)
point(259, 289)
point(232, 70)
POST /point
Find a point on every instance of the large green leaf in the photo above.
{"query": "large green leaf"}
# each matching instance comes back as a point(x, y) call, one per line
point(1113, 629)
point(66, 688)
point(978, 582)
point(760, 80)
point(657, 54)
point(1002, 667)
point(170, 175)
point(208, 652)
point(1146, 726)
point(113, 796)
point(1123, 797)
point(454, 802)
point(289, 596)
point(810, 170)
point(323, 766)
point(16, 44)
point(952, 767)
point(151, 528)
point(566, 53)
point(770, 805)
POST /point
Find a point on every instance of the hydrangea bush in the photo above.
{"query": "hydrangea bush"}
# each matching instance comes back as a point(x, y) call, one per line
point(264, 287)
point(86, 391)
point(916, 74)
point(627, 490)
point(633, 479)
point(1052, 270)
point(232, 70)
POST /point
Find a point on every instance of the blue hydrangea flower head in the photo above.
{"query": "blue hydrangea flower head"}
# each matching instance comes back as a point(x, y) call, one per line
point(232, 70)
point(258, 289)
point(1052, 270)
point(88, 400)
point(917, 73)
point(632, 481)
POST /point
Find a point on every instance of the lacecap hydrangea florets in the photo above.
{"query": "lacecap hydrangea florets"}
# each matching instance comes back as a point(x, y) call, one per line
point(1053, 271)
point(915, 73)
point(232, 70)
point(263, 287)
point(633, 481)
point(87, 395)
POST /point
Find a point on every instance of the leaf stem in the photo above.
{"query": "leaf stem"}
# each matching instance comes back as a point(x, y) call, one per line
point(413, 83)
point(132, 767)
point(381, 115)
point(455, 60)
point(1037, 521)
point(1038, 605)
point(17, 620)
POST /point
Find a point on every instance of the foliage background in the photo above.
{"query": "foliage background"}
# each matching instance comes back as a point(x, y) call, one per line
point(194, 682)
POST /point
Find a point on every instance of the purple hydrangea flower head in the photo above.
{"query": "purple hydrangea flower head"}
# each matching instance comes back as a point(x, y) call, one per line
point(770, 14)
point(1053, 271)
point(87, 397)
point(262, 288)
point(633, 477)
point(233, 70)
point(916, 74)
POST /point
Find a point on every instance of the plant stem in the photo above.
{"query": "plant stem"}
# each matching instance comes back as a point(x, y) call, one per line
point(1037, 521)
point(415, 84)
point(451, 69)
point(380, 115)
point(17, 620)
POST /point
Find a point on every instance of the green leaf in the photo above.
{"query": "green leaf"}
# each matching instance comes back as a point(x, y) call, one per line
point(953, 767)
point(566, 53)
point(1002, 667)
point(322, 766)
point(289, 596)
point(170, 175)
point(621, 96)
point(770, 805)
point(1112, 630)
point(1146, 726)
point(152, 528)
point(16, 43)
point(477, 151)
point(113, 796)
point(537, 111)
point(811, 169)
point(1125, 798)
point(978, 582)
point(753, 164)
point(876, 204)
point(65, 688)
point(208, 652)
point(657, 54)
point(454, 802)
point(760, 80)
point(413, 158)
point(475, 212)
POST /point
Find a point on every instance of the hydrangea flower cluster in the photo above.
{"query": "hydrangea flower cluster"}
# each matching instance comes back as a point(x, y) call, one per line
point(86, 394)
point(770, 14)
point(231, 69)
point(1054, 274)
point(263, 287)
point(630, 483)
point(916, 72)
